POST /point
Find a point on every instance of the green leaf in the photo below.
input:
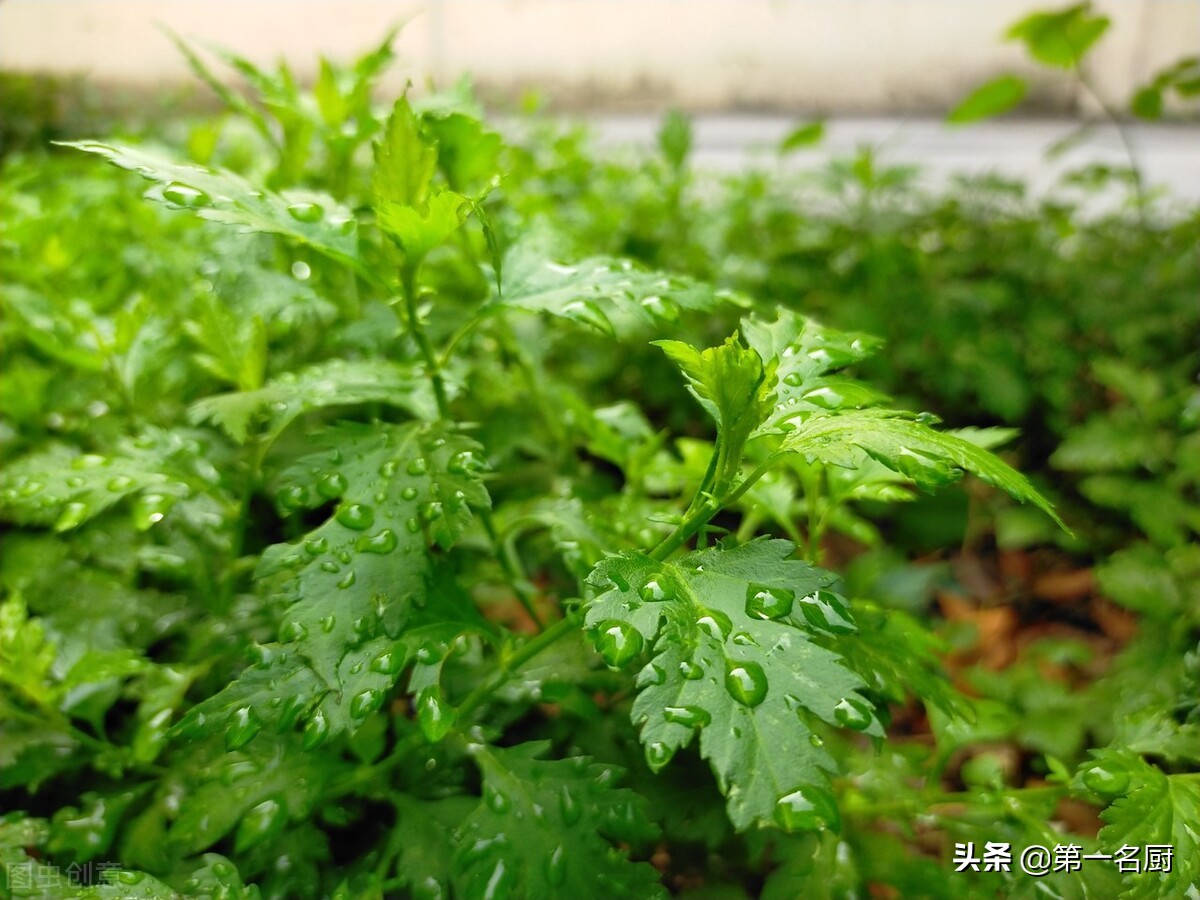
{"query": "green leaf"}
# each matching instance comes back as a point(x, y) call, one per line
point(350, 585)
point(807, 135)
point(312, 219)
point(404, 161)
point(420, 229)
point(731, 633)
point(990, 99)
point(675, 139)
point(1061, 38)
point(467, 152)
point(734, 387)
point(930, 458)
point(1152, 808)
point(552, 828)
point(332, 383)
point(613, 296)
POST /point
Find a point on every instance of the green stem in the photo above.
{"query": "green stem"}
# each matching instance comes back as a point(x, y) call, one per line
point(408, 286)
point(516, 578)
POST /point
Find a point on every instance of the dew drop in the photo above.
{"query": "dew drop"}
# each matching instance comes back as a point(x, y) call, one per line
point(763, 602)
point(29, 488)
point(746, 682)
point(1106, 782)
point(590, 314)
point(365, 703)
point(306, 212)
point(355, 516)
point(808, 808)
point(715, 624)
point(327, 623)
point(388, 469)
point(316, 546)
point(571, 809)
point(75, 481)
point(409, 493)
point(431, 511)
point(388, 663)
point(853, 714)
point(434, 716)
point(332, 485)
point(618, 642)
point(691, 671)
point(124, 876)
point(381, 543)
point(347, 580)
point(793, 379)
point(662, 308)
point(556, 866)
point(292, 497)
point(658, 755)
point(185, 196)
point(744, 639)
point(292, 630)
point(496, 801)
point(687, 716)
point(241, 728)
point(825, 397)
point(88, 461)
point(652, 592)
point(150, 509)
point(418, 466)
point(825, 610)
point(73, 515)
point(331, 567)
point(464, 463)
point(316, 731)
point(412, 524)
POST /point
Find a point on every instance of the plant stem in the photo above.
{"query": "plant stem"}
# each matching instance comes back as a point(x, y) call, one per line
point(408, 286)
point(516, 578)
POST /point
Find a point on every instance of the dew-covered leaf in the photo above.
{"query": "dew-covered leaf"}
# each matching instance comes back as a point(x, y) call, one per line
point(730, 633)
point(552, 828)
point(332, 383)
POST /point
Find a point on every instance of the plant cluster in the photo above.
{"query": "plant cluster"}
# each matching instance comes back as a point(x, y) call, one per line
point(365, 543)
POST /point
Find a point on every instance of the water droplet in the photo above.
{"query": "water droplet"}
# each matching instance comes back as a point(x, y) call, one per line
point(72, 516)
point(306, 212)
point(185, 196)
point(825, 610)
point(292, 630)
point(691, 671)
point(418, 466)
point(658, 755)
point(149, 510)
point(556, 866)
point(29, 488)
point(259, 823)
point(124, 876)
point(715, 624)
point(365, 703)
point(383, 542)
point(292, 497)
point(327, 623)
point(412, 524)
point(825, 397)
point(618, 642)
point(764, 602)
point(464, 463)
point(347, 580)
point(435, 717)
point(355, 516)
point(409, 493)
point(332, 485)
point(75, 481)
point(808, 808)
point(687, 716)
point(651, 674)
point(746, 682)
point(1105, 781)
point(388, 663)
point(744, 639)
point(496, 801)
point(590, 314)
point(331, 567)
point(242, 726)
point(661, 307)
point(793, 379)
point(430, 512)
point(316, 731)
point(853, 714)
point(316, 546)
point(571, 809)
point(652, 592)
point(816, 740)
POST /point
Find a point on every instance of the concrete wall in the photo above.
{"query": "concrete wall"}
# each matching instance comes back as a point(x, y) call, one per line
point(858, 56)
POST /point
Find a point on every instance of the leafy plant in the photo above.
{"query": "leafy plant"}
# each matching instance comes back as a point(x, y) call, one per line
point(371, 549)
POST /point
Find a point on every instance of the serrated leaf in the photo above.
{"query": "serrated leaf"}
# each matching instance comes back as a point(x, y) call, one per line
point(61, 487)
point(312, 219)
point(731, 637)
point(990, 99)
point(419, 230)
point(734, 386)
point(550, 828)
point(351, 583)
point(404, 160)
point(332, 383)
point(929, 457)
point(612, 296)
point(1152, 808)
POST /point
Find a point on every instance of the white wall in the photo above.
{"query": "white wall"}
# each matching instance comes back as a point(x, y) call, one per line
point(795, 55)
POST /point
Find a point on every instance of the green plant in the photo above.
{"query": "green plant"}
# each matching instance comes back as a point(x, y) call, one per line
point(362, 552)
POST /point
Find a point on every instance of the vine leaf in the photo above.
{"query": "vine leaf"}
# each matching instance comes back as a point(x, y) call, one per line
point(331, 383)
point(315, 220)
point(731, 635)
point(548, 828)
